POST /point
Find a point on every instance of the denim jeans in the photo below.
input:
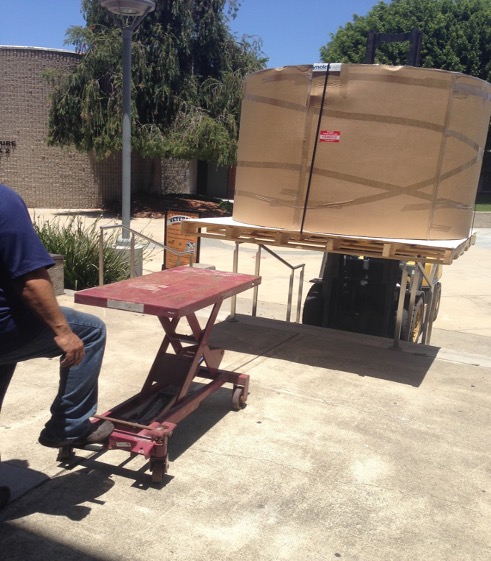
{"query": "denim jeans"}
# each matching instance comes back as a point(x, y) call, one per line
point(76, 400)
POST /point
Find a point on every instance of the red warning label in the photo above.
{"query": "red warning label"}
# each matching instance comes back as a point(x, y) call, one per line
point(330, 136)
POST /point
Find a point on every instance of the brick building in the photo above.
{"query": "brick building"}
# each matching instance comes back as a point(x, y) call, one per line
point(54, 177)
point(45, 176)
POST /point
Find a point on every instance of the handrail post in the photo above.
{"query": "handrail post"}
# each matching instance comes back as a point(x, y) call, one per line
point(101, 257)
point(132, 255)
point(290, 292)
point(233, 300)
point(256, 287)
point(300, 291)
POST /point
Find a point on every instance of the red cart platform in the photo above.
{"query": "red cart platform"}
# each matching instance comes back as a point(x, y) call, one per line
point(144, 422)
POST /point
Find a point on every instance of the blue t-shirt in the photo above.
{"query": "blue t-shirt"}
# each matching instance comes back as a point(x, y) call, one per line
point(21, 252)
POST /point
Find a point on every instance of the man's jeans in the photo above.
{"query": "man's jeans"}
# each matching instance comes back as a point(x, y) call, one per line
point(76, 401)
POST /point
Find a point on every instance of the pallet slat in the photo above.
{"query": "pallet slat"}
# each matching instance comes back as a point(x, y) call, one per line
point(435, 251)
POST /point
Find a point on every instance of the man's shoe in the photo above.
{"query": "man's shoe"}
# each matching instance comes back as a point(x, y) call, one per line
point(98, 433)
point(4, 496)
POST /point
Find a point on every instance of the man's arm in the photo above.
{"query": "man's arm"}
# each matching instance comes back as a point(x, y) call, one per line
point(36, 290)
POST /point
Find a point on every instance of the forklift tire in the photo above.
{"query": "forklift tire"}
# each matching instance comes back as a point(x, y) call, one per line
point(313, 306)
point(437, 294)
point(412, 331)
point(404, 327)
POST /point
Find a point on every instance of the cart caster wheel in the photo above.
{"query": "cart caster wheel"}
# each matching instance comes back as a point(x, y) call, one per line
point(65, 454)
point(159, 469)
point(238, 399)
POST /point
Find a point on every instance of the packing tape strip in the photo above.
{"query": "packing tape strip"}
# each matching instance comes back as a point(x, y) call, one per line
point(446, 204)
point(357, 179)
point(466, 90)
point(453, 82)
point(276, 102)
point(269, 165)
point(295, 74)
point(395, 75)
point(274, 201)
point(440, 204)
point(370, 118)
point(441, 155)
point(388, 189)
point(386, 119)
point(465, 140)
point(365, 117)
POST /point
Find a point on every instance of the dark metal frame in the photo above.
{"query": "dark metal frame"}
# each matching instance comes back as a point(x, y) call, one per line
point(415, 38)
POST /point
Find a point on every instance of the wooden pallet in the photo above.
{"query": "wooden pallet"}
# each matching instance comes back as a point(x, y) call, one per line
point(434, 251)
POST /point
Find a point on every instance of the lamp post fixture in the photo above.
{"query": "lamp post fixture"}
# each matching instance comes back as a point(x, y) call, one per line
point(130, 14)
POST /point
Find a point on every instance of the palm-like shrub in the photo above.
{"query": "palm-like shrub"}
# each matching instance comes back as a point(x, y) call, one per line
point(79, 245)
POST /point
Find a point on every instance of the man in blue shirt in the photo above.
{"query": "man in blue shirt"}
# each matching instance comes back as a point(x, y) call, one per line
point(33, 325)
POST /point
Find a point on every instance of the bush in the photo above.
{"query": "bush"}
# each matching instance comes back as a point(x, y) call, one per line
point(79, 245)
point(228, 206)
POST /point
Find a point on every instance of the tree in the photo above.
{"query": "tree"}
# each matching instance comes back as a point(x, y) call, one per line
point(187, 72)
point(456, 35)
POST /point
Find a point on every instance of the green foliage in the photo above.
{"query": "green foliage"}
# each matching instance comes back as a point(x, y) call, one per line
point(79, 245)
point(483, 202)
point(228, 206)
point(456, 35)
point(187, 72)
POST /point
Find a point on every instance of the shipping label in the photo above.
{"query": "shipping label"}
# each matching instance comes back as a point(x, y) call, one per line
point(324, 66)
point(330, 136)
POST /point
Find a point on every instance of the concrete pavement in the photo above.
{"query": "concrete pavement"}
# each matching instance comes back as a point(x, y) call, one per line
point(347, 449)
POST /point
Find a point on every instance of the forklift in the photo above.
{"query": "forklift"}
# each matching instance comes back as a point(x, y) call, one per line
point(361, 294)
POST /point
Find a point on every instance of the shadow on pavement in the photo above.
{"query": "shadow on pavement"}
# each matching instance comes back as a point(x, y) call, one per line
point(67, 493)
point(20, 545)
point(351, 353)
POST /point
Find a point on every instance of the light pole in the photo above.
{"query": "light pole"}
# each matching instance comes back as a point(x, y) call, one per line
point(130, 14)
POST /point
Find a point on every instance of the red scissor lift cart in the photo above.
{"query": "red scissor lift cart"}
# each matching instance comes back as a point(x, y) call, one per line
point(174, 386)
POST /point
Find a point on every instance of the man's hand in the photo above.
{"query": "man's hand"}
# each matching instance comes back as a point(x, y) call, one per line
point(72, 347)
point(36, 289)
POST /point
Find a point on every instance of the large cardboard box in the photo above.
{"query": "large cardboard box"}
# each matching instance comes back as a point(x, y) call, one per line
point(363, 150)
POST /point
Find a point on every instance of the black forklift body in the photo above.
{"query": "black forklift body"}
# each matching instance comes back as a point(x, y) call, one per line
point(361, 295)
point(355, 294)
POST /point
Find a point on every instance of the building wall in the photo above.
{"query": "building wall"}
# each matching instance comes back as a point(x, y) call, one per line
point(47, 176)
point(53, 177)
point(178, 176)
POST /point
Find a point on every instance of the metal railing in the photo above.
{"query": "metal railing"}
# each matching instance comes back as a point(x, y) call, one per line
point(134, 234)
point(292, 268)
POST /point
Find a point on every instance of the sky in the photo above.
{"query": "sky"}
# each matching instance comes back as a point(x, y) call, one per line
point(292, 31)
